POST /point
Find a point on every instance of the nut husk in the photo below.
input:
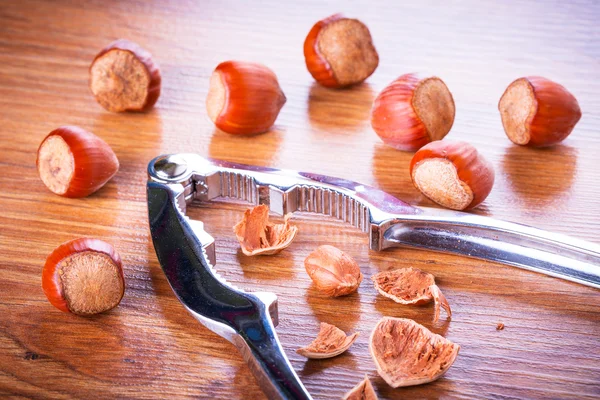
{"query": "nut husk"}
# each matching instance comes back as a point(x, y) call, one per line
point(258, 236)
point(330, 342)
point(406, 353)
point(411, 286)
point(332, 271)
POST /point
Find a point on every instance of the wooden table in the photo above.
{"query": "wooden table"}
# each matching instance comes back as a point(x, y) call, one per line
point(150, 347)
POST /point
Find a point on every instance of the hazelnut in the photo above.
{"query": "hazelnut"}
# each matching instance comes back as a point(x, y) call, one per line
point(123, 77)
point(73, 162)
point(332, 271)
point(453, 174)
point(339, 52)
point(244, 98)
point(538, 112)
point(84, 277)
point(413, 111)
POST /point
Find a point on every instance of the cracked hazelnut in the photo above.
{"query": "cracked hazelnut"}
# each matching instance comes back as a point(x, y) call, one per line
point(258, 236)
point(84, 277)
point(411, 286)
point(330, 342)
point(332, 271)
point(407, 353)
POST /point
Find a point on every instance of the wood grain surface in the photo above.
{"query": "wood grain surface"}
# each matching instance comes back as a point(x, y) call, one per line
point(150, 347)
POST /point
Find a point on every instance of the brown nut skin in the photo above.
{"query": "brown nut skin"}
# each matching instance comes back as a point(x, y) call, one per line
point(136, 83)
point(333, 272)
point(452, 174)
point(244, 98)
point(413, 111)
point(537, 112)
point(97, 286)
point(73, 162)
point(339, 52)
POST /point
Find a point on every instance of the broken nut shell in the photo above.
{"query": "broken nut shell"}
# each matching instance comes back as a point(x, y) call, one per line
point(332, 271)
point(363, 391)
point(411, 286)
point(406, 353)
point(330, 342)
point(258, 236)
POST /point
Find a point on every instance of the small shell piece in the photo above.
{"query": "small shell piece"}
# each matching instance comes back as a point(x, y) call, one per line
point(332, 271)
point(411, 286)
point(406, 353)
point(258, 236)
point(330, 342)
point(363, 391)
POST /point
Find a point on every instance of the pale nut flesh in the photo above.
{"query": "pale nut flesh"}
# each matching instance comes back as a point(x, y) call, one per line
point(56, 164)
point(517, 109)
point(330, 342)
point(411, 286)
point(363, 391)
point(258, 236)
point(406, 353)
point(438, 179)
point(333, 272)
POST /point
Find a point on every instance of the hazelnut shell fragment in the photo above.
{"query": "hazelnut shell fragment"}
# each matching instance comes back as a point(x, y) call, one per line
point(84, 277)
point(406, 353)
point(411, 286)
point(339, 52)
point(244, 97)
point(363, 391)
point(413, 111)
point(330, 342)
point(123, 77)
point(258, 236)
point(73, 162)
point(452, 174)
point(538, 112)
point(332, 271)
